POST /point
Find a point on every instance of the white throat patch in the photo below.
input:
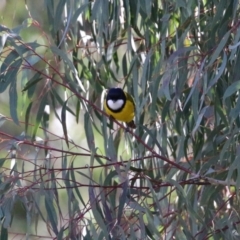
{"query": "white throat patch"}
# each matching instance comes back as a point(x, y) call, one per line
point(115, 105)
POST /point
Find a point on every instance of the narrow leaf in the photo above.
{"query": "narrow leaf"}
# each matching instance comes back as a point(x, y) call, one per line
point(234, 87)
point(39, 115)
point(89, 131)
point(13, 98)
point(219, 48)
point(64, 124)
point(51, 212)
point(10, 75)
point(122, 200)
point(4, 233)
point(33, 81)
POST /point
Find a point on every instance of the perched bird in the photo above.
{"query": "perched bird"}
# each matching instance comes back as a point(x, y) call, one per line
point(120, 106)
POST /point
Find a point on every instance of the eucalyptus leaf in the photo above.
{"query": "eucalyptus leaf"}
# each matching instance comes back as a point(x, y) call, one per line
point(13, 101)
point(51, 213)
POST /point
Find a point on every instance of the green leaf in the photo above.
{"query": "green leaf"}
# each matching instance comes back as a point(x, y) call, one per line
point(31, 57)
point(78, 11)
point(60, 233)
point(89, 131)
point(78, 105)
point(69, 63)
point(234, 87)
point(40, 114)
point(63, 120)
point(31, 84)
point(97, 213)
point(199, 120)
point(13, 100)
point(196, 81)
point(219, 72)
point(9, 74)
point(122, 200)
point(26, 23)
point(51, 213)
point(58, 14)
point(4, 233)
point(219, 48)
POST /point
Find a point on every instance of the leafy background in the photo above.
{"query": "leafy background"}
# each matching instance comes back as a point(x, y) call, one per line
point(67, 172)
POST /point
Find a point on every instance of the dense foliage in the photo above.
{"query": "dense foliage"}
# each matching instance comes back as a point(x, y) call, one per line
point(71, 173)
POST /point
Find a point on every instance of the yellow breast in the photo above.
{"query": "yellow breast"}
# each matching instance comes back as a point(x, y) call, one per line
point(125, 115)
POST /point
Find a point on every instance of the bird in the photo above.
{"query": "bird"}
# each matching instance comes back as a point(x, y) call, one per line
point(120, 105)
